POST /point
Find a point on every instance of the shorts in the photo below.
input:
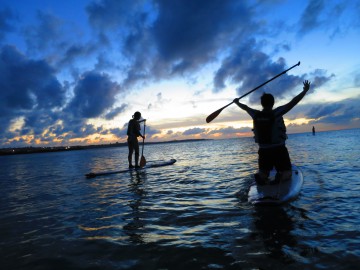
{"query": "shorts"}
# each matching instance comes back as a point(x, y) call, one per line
point(277, 157)
point(133, 144)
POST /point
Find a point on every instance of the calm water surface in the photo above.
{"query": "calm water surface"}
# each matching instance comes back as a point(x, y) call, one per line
point(191, 215)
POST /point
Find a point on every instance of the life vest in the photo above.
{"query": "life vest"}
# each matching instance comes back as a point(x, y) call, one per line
point(133, 128)
point(269, 129)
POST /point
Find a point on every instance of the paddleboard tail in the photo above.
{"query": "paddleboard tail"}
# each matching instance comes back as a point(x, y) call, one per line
point(276, 191)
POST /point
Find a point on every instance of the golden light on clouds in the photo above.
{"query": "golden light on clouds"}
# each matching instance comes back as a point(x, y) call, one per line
point(298, 121)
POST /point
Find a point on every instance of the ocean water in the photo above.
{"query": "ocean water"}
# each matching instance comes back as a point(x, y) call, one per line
point(191, 215)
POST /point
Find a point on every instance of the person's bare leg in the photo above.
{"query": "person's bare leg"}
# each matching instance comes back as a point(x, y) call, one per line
point(261, 177)
point(136, 159)
point(131, 151)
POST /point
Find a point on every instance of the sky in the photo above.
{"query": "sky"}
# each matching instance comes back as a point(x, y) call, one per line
point(74, 72)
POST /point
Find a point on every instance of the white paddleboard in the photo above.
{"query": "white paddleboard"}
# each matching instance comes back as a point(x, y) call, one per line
point(149, 165)
point(274, 194)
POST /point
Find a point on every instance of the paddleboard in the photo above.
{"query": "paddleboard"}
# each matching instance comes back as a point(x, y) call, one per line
point(276, 193)
point(149, 165)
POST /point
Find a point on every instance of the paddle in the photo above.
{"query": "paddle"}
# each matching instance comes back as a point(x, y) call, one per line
point(216, 113)
point(142, 159)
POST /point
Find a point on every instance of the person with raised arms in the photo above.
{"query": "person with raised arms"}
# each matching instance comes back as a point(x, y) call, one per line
point(270, 133)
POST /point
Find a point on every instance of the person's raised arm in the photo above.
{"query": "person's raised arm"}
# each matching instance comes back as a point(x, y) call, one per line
point(242, 106)
point(287, 107)
point(249, 110)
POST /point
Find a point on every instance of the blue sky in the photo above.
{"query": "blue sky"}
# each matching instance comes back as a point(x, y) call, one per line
point(74, 72)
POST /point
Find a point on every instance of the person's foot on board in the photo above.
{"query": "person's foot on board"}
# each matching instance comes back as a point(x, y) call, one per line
point(137, 167)
point(277, 180)
point(281, 177)
point(131, 166)
point(286, 175)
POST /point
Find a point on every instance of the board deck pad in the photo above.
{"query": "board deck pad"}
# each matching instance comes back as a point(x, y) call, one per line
point(149, 165)
point(274, 194)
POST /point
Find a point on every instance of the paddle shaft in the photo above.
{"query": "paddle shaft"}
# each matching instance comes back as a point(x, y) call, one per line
point(216, 113)
point(142, 150)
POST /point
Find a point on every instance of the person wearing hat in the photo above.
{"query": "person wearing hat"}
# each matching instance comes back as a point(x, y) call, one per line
point(133, 132)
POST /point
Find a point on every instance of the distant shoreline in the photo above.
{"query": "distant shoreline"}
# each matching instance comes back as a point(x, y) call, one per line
point(31, 150)
point(49, 149)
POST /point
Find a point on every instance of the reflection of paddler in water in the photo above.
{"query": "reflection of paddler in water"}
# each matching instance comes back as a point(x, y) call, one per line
point(270, 134)
point(134, 229)
point(133, 132)
point(275, 227)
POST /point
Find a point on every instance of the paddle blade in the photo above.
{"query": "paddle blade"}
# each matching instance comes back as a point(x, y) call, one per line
point(142, 161)
point(213, 115)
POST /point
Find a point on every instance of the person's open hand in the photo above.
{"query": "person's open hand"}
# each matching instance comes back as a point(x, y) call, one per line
point(306, 85)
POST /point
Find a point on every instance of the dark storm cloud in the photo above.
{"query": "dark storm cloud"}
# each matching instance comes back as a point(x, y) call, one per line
point(150, 131)
point(182, 37)
point(27, 84)
point(36, 122)
point(338, 113)
point(310, 18)
point(341, 113)
point(74, 128)
point(105, 63)
point(75, 52)
point(246, 65)
point(27, 87)
point(190, 32)
point(6, 22)
point(324, 110)
point(194, 131)
point(45, 33)
point(230, 130)
point(89, 129)
point(118, 132)
point(186, 35)
point(40, 124)
point(326, 15)
point(115, 112)
point(43, 118)
point(227, 131)
point(111, 13)
point(94, 94)
point(55, 39)
point(124, 25)
point(249, 67)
